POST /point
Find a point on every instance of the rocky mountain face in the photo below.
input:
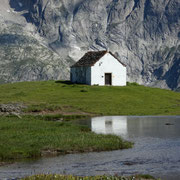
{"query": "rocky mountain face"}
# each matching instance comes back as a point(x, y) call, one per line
point(40, 39)
point(24, 54)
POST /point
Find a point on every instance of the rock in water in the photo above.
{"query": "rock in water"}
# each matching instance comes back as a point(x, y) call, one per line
point(144, 34)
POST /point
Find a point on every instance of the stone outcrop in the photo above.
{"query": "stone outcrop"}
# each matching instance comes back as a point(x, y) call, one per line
point(12, 109)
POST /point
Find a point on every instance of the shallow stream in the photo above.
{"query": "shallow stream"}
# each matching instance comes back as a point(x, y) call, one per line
point(156, 151)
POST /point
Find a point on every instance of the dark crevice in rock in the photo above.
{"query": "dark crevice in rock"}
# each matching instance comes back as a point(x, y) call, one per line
point(172, 76)
point(60, 35)
point(136, 3)
point(77, 7)
point(147, 6)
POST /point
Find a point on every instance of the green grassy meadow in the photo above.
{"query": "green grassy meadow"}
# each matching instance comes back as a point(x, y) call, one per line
point(33, 135)
point(36, 136)
point(130, 100)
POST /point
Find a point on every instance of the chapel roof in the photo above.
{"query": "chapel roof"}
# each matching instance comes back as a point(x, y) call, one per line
point(91, 57)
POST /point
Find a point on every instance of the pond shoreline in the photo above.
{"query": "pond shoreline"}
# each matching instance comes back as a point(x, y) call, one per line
point(56, 135)
point(155, 152)
point(63, 118)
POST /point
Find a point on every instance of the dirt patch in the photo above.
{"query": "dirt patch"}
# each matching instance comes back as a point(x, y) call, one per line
point(46, 112)
point(64, 110)
point(18, 109)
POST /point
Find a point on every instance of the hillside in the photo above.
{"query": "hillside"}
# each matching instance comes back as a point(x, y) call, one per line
point(40, 39)
point(61, 97)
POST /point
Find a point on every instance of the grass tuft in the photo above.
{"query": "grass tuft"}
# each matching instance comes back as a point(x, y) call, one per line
point(104, 177)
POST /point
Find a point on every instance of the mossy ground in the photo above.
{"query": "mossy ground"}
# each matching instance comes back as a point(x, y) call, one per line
point(67, 98)
point(64, 177)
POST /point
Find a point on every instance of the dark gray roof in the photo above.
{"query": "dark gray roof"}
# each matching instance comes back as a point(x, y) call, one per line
point(91, 57)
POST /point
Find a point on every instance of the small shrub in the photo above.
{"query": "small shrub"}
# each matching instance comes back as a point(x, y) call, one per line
point(83, 90)
point(144, 176)
point(132, 84)
point(85, 129)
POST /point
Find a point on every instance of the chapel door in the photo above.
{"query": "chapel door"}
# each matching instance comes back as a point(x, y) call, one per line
point(108, 79)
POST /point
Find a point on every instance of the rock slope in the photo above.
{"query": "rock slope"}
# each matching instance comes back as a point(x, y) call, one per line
point(144, 34)
point(24, 55)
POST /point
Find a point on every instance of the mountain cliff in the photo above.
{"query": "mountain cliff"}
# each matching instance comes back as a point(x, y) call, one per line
point(40, 39)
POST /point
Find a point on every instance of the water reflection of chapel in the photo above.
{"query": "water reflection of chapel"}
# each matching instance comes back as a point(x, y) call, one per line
point(109, 125)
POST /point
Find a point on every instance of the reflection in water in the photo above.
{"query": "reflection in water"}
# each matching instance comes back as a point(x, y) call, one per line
point(109, 125)
point(137, 126)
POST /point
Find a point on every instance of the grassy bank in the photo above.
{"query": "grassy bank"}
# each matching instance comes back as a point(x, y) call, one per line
point(62, 177)
point(130, 100)
point(36, 136)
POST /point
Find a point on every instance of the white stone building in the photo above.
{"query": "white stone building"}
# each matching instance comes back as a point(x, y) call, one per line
point(99, 68)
